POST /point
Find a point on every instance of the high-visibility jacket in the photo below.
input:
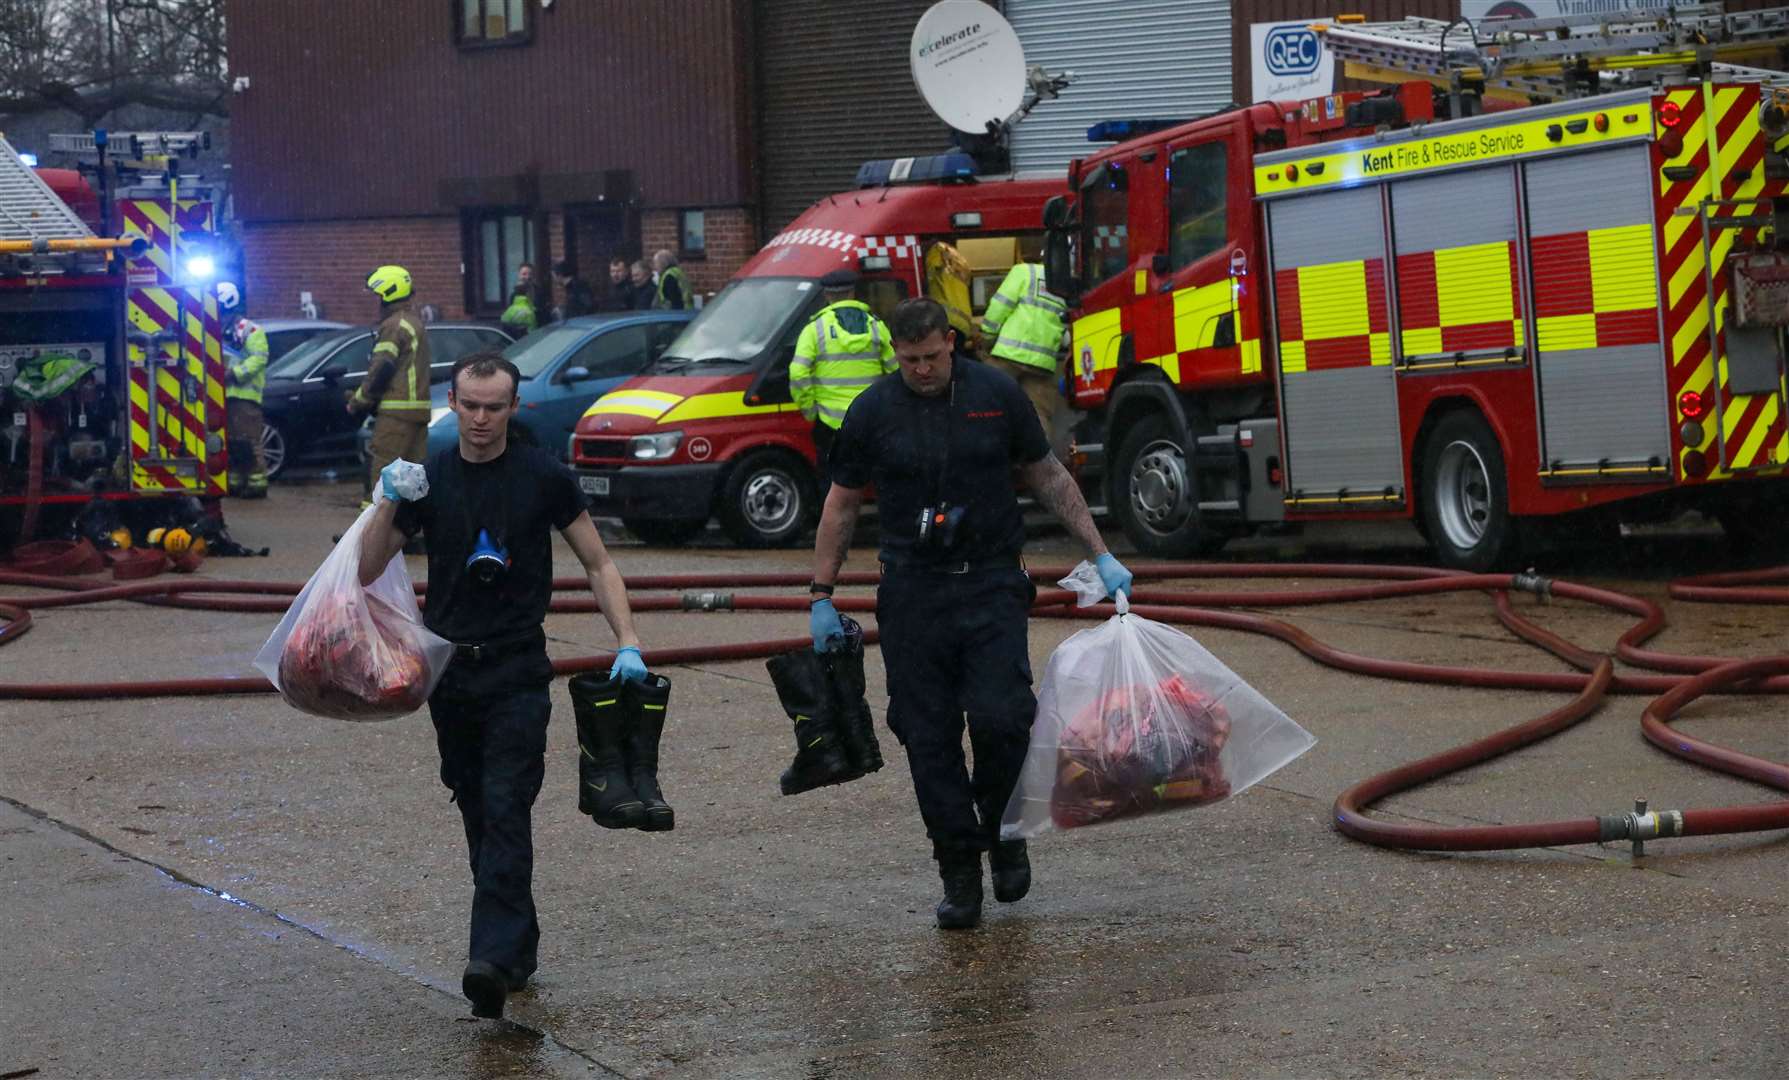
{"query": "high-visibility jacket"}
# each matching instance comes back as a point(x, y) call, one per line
point(518, 318)
point(660, 300)
point(844, 349)
point(947, 281)
point(1024, 320)
point(248, 376)
point(397, 378)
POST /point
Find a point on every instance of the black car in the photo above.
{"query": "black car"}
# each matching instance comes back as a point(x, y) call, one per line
point(308, 389)
point(284, 335)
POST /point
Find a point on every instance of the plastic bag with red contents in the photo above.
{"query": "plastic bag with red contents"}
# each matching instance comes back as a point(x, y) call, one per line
point(1135, 717)
point(354, 653)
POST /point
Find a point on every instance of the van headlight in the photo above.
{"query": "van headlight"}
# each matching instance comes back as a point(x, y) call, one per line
point(438, 413)
point(655, 447)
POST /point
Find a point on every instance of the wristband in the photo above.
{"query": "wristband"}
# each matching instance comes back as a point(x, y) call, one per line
point(817, 587)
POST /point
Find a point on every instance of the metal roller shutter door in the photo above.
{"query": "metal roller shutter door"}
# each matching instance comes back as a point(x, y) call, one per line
point(835, 91)
point(1341, 421)
point(1600, 401)
point(1143, 59)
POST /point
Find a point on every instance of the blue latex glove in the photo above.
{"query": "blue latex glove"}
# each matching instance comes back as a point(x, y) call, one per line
point(1113, 575)
point(628, 666)
point(824, 624)
point(387, 482)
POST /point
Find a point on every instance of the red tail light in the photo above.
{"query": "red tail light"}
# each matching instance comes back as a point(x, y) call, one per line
point(1691, 404)
point(1695, 464)
point(1670, 144)
point(1670, 114)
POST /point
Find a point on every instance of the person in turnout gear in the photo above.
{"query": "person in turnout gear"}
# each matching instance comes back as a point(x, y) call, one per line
point(244, 382)
point(489, 513)
point(620, 723)
point(396, 386)
point(840, 352)
point(940, 442)
point(1023, 329)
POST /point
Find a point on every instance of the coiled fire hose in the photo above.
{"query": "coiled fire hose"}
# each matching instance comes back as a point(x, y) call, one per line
point(1675, 680)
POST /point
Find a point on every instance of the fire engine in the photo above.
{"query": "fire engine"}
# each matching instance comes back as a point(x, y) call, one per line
point(710, 429)
point(1541, 276)
point(111, 366)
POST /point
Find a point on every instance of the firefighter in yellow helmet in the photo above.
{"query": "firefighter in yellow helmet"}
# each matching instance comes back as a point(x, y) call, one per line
point(244, 380)
point(397, 379)
point(838, 355)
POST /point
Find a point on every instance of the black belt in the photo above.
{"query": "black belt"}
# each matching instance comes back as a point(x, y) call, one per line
point(965, 566)
point(484, 652)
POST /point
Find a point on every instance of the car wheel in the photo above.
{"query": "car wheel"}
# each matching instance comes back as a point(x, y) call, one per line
point(273, 449)
point(1155, 496)
point(1465, 495)
point(665, 533)
point(769, 500)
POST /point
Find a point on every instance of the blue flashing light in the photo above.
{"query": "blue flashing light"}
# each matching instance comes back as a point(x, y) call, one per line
point(1120, 130)
point(30, 160)
point(916, 170)
point(201, 267)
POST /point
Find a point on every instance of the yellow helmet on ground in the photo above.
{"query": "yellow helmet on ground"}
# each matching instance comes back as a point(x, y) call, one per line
point(121, 538)
point(392, 283)
point(176, 541)
point(154, 537)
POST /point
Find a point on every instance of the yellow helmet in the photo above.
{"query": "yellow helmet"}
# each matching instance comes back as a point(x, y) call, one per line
point(175, 541)
point(121, 539)
point(392, 283)
point(154, 539)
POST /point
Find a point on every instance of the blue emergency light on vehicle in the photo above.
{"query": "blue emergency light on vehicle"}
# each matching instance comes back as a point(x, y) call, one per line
point(1120, 130)
point(915, 170)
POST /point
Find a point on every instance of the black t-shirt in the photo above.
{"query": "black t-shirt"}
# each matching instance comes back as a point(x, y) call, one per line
point(900, 441)
point(519, 498)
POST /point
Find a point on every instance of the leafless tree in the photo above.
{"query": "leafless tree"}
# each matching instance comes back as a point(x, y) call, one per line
point(92, 57)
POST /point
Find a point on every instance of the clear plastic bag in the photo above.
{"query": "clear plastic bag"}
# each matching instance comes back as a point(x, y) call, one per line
point(354, 653)
point(1135, 717)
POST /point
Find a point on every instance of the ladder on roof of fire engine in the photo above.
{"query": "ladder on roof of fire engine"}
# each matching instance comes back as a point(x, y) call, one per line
point(1550, 58)
point(135, 144)
point(29, 210)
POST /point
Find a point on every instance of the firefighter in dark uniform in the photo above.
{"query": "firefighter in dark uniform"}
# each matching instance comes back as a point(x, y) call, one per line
point(939, 440)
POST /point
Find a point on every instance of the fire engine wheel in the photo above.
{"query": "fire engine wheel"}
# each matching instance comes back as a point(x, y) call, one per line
point(665, 533)
point(1465, 496)
point(768, 501)
point(273, 449)
point(1156, 499)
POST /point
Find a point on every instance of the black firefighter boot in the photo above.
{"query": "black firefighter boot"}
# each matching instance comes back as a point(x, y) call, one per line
point(603, 790)
point(645, 703)
point(801, 686)
point(961, 907)
point(857, 725)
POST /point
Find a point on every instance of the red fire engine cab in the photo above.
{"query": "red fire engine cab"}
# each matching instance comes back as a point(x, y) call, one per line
point(1346, 309)
point(711, 431)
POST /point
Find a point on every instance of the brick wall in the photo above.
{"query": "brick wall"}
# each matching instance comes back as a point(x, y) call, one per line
point(331, 261)
point(731, 234)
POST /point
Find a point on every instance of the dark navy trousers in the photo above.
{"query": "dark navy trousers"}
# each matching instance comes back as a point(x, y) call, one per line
point(955, 647)
point(491, 728)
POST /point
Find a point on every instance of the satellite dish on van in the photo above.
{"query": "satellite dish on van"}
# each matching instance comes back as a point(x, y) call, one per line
point(968, 65)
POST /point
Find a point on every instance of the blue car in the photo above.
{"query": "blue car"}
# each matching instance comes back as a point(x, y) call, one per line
point(565, 367)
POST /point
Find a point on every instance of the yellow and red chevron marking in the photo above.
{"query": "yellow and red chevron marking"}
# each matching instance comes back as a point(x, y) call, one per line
point(1460, 298)
point(1722, 143)
point(187, 425)
point(1332, 315)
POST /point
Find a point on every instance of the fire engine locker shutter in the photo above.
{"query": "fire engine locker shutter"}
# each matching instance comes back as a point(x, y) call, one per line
point(1594, 268)
point(1339, 401)
point(1142, 59)
point(1454, 236)
point(835, 91)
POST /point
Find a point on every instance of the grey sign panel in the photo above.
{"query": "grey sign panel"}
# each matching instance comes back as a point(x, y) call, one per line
point(1342, 431)
point(1598, 190)
point(1331, 226)
point(1604, 405)
point(1454, 210)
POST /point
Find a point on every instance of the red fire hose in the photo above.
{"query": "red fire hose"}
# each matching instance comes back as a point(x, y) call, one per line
point(1596, 676)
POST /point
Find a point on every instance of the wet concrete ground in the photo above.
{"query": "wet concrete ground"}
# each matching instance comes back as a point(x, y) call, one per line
point(225, 887)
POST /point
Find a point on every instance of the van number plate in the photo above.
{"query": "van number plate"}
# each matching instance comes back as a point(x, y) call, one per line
point(594, 485)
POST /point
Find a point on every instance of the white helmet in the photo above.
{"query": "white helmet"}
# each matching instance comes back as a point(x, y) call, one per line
point(228, 296)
